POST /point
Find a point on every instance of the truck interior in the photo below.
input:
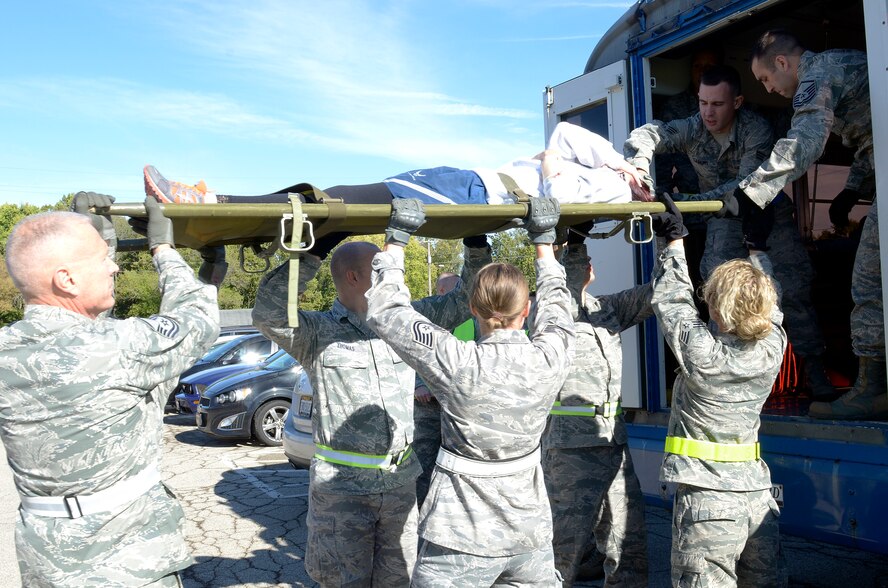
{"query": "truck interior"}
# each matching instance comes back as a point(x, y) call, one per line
point(820, 25)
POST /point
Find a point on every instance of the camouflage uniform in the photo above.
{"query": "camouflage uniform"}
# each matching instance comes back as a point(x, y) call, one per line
point(724, 518)
point(720, 171)
point(427, 427)
point(495, 395)
point(361, 521)
point(833, 96)
point(592, 485)
point(81, 411)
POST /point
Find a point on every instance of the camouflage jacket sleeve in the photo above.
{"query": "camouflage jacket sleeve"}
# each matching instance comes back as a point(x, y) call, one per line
point(621, 310)
point(656, 137)
point(813, 104)
point(270, 310)
point(167, 343)
point(754, 141)
point(861, 171)
point(552, 325)
point(434, 352)
point(699, 354)
point(614, 312)
point(426, 347)
point(451, 309)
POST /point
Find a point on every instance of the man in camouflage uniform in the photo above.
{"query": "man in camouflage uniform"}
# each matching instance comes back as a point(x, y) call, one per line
point(486, 520)
point(726, 143)
point(81, 405)
point(725, 529)
point(362, 494)
point(830, 93)
point(593, 490)
point(674, 170)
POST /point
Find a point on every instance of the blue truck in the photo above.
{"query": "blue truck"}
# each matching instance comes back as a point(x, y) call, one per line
point(831, 477)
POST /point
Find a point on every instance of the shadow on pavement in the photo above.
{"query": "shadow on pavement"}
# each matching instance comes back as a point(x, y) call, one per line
point(262, 514)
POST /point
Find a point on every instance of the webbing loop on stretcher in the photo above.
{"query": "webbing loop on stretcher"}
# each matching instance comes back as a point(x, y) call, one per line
point(336, 208)
point(294, 250)
point(513, 188)
point(713, 451)
point(521, 197)
point(640, 222)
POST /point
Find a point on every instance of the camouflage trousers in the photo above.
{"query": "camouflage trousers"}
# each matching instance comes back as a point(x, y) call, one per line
point(443, 567)
point(725, 539)
point(867, 320)
point(362, 540)
point(426, 442)
point(792, 269)
point(595, 496)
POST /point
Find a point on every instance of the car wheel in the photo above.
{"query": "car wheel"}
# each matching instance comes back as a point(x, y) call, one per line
point(268, 422)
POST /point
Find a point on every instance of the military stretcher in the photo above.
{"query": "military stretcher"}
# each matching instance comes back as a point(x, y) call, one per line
point(197, 225)
point(294, 227)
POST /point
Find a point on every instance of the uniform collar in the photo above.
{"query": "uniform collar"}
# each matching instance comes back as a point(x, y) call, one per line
point(341, 314)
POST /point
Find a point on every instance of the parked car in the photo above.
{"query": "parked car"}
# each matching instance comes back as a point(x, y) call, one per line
point(249, 404)
point(298, 439)
point(245, 350)
point(188, 391)
point(228, 333)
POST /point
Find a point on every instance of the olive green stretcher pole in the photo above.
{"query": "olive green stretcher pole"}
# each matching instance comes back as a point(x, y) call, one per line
point(197, 225)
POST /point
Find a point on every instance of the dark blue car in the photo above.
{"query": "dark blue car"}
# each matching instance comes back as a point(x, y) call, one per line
point(254, 403)
point(189, 389)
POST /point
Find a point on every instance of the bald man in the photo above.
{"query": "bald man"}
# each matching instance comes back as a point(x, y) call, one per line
point(81, 405)
point(362, 515)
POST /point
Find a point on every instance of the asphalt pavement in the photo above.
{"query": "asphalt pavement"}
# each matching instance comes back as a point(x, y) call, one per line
point(246, 506)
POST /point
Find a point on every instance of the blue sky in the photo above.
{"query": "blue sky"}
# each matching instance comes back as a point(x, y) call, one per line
point(253, 96)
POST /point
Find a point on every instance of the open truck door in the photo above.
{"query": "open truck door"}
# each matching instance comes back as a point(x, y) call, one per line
point(599, 101)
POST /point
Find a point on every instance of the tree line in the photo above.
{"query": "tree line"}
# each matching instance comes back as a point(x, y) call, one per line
point(136, 286)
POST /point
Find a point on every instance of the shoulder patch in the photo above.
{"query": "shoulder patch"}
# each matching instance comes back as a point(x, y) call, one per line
point(687, 327)
point(164, 325)
point(424, 333)
point(807, 90)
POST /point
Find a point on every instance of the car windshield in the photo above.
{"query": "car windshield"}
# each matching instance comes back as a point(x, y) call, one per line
point(279, 361)
point(217, 352)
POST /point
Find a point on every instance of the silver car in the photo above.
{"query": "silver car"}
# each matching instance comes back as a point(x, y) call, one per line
point(298, 440)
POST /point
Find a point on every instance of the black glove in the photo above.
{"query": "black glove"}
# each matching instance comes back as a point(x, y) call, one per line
point(669, 224)
point(408, 215)
point(476, 241)
point(213, 269)
point(542, 217)
point(157, 227)
point(102, 222)
point(757, 225)
point(841, 207)
point(736, 205)
point(577, 234)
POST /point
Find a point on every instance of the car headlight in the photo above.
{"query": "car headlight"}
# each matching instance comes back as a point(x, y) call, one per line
point(199, 388)
point(236, 395)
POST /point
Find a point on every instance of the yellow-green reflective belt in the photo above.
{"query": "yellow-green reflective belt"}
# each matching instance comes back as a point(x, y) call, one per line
point(361, 460)
point(713, 451)
point(607, 410)
point(465, 331)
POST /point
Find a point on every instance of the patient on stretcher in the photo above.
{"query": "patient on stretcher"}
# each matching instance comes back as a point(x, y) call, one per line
point(578, 167)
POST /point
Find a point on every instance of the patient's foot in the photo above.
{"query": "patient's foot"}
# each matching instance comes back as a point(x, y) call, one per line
point(171, 192)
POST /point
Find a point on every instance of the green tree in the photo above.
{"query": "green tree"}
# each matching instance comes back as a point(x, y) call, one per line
point(514, 247)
